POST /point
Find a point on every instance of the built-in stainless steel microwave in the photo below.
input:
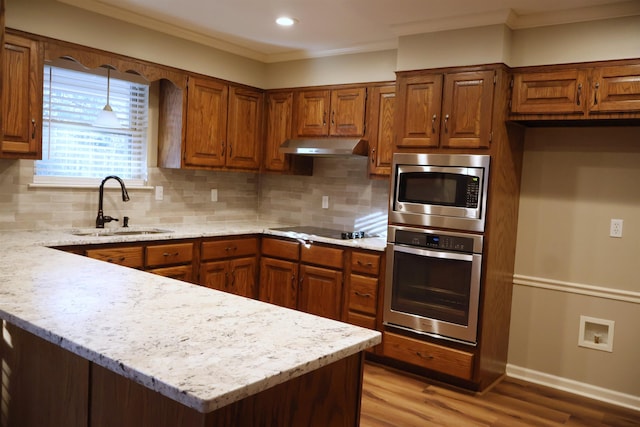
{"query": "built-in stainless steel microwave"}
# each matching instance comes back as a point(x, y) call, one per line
point(439, 190)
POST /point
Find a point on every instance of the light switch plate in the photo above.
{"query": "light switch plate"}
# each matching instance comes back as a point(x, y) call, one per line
point(159, 192)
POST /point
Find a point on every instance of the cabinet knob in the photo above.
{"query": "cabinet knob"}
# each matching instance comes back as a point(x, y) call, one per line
point(595, 94)
point(446, 121)
point(33, 128)
point(424, 356)
point(360, 294)
point(433, 123)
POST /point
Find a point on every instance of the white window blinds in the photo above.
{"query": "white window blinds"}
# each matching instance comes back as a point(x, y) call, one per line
point(76, 151)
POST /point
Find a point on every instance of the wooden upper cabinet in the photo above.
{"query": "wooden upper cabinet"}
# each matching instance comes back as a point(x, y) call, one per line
point(22, 74)
point(418, 110)
point(338, 112)
point(381, 129)
point(466, 110)
point(313, 109)
point(615, 89)
point(348, 112)
point(1, 62)
point(278, 130)
point(450, 110)
point(554, 92)
point(206, 135)
point(244, 128)
point(279, 120)
point(588, 91)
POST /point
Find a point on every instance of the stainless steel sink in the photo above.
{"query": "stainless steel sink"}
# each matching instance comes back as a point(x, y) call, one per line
point(96, 232)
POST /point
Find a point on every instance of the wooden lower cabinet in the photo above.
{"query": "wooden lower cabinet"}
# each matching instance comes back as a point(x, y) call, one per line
point(128, 256)
point(439, 358)
point(279, 282)
point(180, 272)
point(320, 291)
point(44, 385)
point(236, 276)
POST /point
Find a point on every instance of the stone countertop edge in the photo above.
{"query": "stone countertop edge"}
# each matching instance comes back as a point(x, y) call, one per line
point(203, 348)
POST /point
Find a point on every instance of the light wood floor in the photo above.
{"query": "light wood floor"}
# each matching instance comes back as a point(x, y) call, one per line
point(392, 399)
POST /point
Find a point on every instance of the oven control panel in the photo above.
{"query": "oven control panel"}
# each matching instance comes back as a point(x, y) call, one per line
point(435, 241)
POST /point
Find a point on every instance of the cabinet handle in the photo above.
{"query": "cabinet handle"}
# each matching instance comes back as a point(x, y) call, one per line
point(433, 123)
point(446, 121)
point(424, 356)
point(595, 94)
point(230, 248)
point(166, 254)
point(324, 118)
point(579, 93)
point(121, 259)
point(33, 128)
point(222, 154)
point(333, 117)
point(230, 150)
point(233, 280)
point(362, 264)
point(360, 294)
point(373, 156)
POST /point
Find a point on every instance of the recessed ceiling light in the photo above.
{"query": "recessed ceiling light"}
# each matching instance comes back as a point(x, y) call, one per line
point(285, 21)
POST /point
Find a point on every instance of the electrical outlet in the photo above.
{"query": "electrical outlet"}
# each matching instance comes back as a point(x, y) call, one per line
point(214, 195)
point(325, 202)
point(615, 229)
point(159, 192)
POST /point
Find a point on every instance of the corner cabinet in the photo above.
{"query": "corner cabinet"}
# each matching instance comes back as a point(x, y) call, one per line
point(222, 126)
point(444, 110)
point(592, 91)
point(330, 112)
point(22, 70)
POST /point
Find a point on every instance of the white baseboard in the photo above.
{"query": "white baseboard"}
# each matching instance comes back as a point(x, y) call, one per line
point(575, 387)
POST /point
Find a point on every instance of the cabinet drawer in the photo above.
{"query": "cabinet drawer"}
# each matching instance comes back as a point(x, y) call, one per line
point(322, 255)
point(361, 320)
point(176, 253)
point(229, 248)
point(128, 256)
point(362, 262)
point(363, 294)
point(180, 272)
point(281, 249)
point(431, 356)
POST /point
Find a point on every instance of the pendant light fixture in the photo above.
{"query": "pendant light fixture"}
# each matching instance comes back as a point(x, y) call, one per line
point(107, 118)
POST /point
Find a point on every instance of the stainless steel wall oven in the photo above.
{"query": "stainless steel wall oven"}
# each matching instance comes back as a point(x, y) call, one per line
point(435, 282)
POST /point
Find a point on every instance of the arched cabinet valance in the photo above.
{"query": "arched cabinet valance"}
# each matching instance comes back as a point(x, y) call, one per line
point(93, 58)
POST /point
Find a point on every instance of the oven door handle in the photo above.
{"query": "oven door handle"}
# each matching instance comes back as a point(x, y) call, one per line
point(433, 253)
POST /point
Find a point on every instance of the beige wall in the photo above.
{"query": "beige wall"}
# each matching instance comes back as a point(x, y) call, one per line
point(574, 181)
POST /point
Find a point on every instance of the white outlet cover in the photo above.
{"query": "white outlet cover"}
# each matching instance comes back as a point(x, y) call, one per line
point(214, 195)
point(159, 192)
point(615, 229)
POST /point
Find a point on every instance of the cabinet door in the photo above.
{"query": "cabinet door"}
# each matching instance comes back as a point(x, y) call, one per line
point(466, 110)
point(21, 106)
point(381, 134)
point(320, 291)
point(418, 115)
point(347, 112)
point(1, 68)
point(615, 89)
point(312, 111)
point(242, 279)
point(244, 131)
point(279, 282)
point(279, 111)
point(205, 144)
point(555, 92)
point(215, 275)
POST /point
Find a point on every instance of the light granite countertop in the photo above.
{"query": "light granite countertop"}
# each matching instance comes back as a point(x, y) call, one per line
point(201, 347)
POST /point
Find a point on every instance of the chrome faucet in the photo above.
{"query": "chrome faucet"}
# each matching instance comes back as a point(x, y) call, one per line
point(101, 219)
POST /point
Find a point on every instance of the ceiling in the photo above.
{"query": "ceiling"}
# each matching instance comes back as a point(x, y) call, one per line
point(332, 27)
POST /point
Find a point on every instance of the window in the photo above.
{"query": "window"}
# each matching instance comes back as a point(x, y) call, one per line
point(76, 152)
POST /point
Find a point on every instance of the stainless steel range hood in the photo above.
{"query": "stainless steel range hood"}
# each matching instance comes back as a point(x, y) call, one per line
point(326, 147)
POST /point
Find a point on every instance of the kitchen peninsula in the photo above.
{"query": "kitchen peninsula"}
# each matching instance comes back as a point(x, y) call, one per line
point(91, 343)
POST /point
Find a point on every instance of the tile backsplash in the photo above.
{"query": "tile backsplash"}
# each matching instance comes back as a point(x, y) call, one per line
point(355, 201)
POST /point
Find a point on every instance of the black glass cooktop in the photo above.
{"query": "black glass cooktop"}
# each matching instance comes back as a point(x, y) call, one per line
point(324, 232)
